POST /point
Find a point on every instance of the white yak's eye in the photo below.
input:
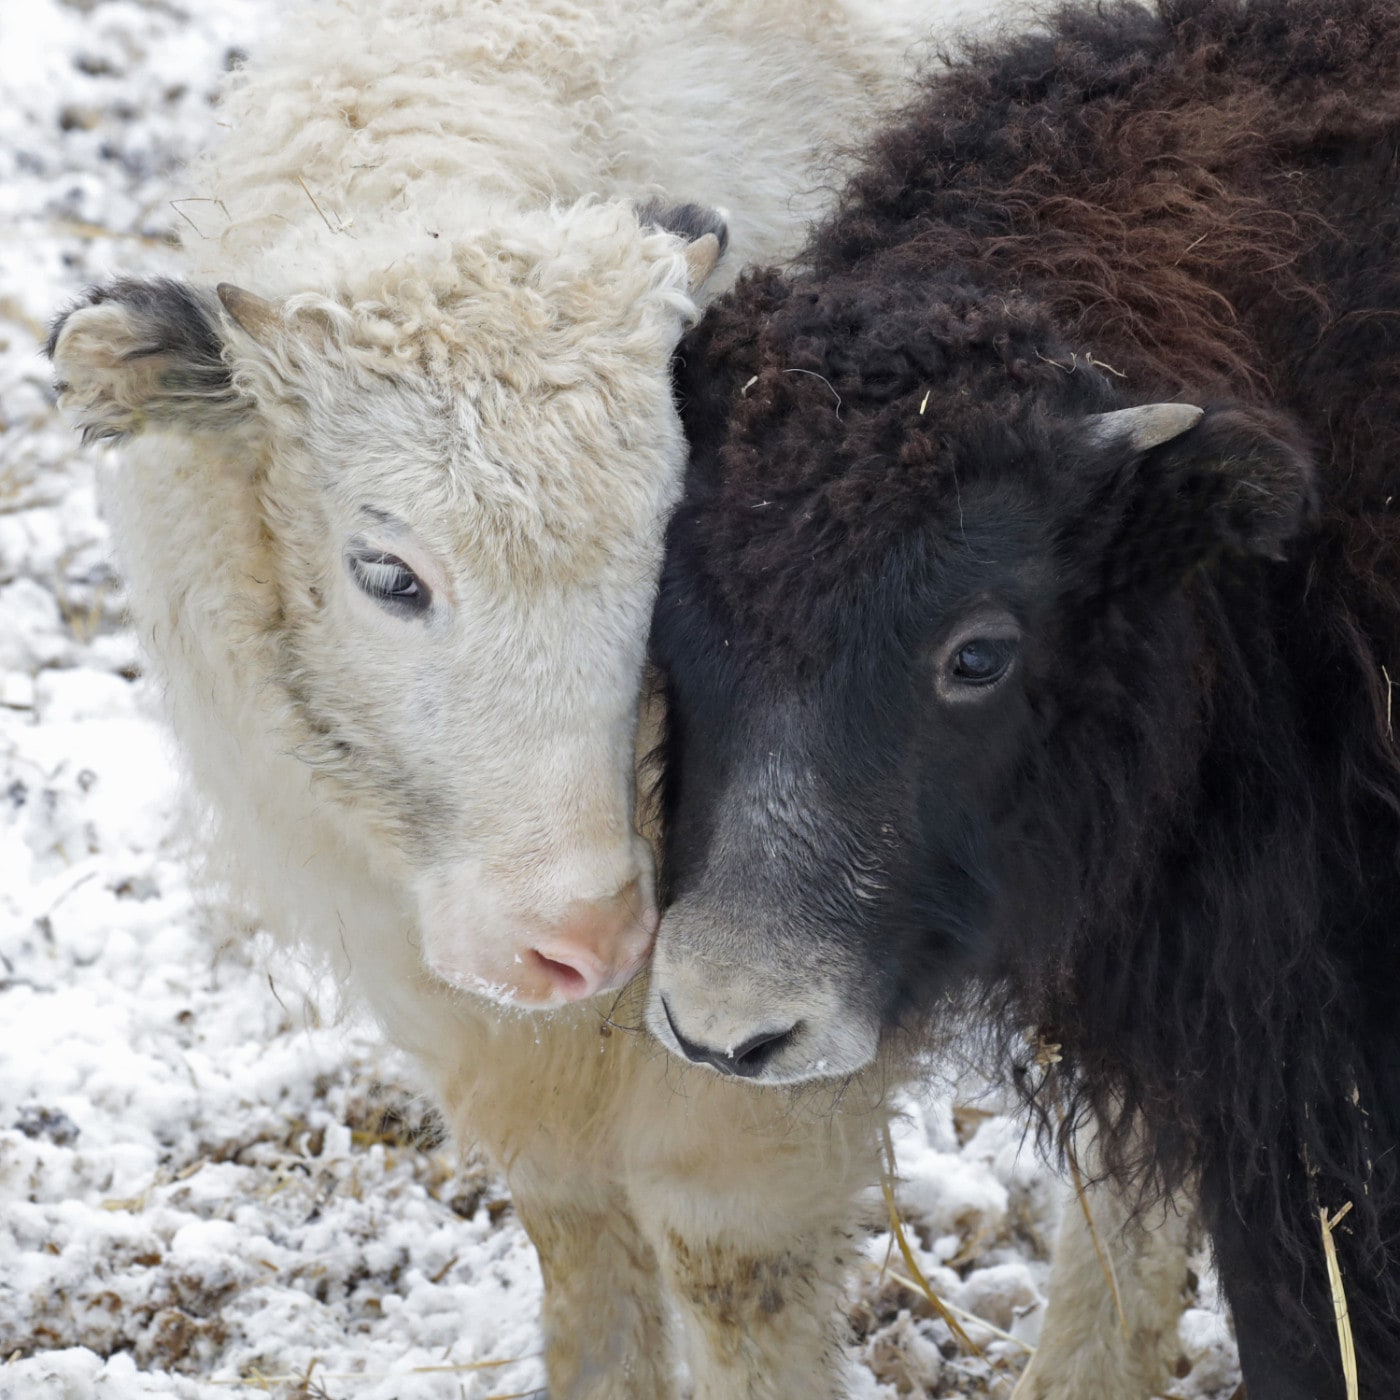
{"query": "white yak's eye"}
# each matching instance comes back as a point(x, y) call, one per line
point(389, 581)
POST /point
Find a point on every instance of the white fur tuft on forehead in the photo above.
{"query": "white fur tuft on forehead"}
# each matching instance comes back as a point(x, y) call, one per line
point(519, 405)
point(547, 279)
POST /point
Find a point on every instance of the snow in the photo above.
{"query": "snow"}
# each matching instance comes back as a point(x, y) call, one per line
point(206, 1190)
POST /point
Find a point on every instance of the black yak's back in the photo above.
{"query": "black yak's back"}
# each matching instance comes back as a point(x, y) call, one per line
point(1208, 197)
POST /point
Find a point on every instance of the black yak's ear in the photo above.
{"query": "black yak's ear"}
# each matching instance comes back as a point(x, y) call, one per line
point(135, 355)
point(703, 228)
point(1205, 482)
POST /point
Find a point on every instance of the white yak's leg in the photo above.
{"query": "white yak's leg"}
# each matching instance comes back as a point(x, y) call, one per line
point(753, 1212)
point(1084, 1351)
point(604, 1316)
point(548, 1098)
point(762, 1316)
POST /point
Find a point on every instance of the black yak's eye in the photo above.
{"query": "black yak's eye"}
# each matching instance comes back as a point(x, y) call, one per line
point(983, 660)
point(977, 656)
point(389, 581)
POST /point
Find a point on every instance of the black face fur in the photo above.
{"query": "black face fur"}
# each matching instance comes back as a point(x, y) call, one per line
point(954, 605)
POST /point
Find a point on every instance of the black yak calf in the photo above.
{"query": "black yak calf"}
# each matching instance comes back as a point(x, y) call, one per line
point(1030, 622)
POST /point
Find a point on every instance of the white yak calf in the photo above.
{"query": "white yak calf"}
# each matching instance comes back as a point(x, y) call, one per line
point(397, 460)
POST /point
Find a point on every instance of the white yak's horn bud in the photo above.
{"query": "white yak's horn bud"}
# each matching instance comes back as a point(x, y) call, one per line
point(255, 314)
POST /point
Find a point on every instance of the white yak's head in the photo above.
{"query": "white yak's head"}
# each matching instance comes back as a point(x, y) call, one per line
point(462, 466)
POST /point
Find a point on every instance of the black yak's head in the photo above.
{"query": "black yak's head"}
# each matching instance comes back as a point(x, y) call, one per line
point(935, 623)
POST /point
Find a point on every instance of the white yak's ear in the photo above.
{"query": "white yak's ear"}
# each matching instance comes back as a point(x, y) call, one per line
point(704, 229)
point(135, 355)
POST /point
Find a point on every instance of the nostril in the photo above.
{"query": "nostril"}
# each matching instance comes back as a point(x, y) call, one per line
point(745, 1061)
point(572, 983)
point(595, 945)
point(754, 1053)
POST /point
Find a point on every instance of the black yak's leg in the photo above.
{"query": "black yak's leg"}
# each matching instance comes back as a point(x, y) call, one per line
point(1279, 1362)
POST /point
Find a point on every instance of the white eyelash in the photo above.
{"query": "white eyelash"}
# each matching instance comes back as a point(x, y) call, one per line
point(385, 576)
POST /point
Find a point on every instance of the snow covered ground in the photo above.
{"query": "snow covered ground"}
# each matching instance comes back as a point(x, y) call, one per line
point(204, 1190)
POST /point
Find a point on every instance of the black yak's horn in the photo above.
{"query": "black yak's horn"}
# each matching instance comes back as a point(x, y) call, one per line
point(1147, 426)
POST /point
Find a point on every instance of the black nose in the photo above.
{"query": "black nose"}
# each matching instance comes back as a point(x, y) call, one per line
point(744, 1061)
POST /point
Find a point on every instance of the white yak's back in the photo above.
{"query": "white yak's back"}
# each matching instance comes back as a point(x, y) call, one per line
point(397, 125)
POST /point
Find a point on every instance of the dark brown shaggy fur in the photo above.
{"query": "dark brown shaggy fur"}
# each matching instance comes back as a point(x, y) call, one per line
point(1198, 213)
point(1201, 203)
